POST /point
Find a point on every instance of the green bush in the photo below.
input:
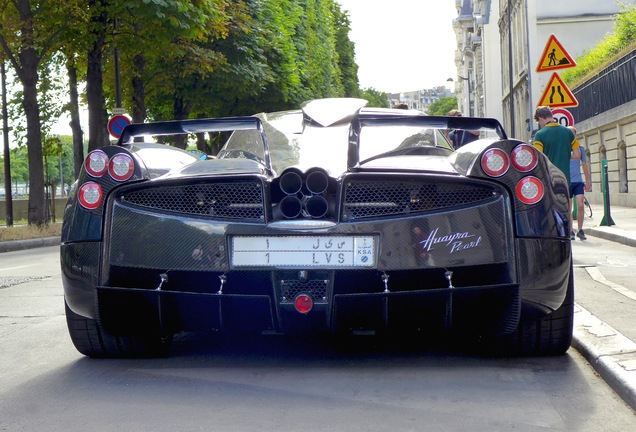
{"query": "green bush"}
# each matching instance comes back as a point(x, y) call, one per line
point(611, 48)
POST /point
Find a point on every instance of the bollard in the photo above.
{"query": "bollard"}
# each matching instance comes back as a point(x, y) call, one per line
point(607, 215)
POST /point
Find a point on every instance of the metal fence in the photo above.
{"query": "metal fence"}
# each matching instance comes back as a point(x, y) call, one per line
point(612, 87)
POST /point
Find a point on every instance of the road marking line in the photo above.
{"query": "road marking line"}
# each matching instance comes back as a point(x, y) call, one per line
point(19, 267)
point(596, 274)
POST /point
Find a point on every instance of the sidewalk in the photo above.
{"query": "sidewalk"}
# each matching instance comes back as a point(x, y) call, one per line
point(624, 230)
point(611, 354)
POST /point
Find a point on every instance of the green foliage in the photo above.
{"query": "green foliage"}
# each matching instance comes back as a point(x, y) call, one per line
point(442, 106)
point(612, 47)
point(19, 165)
point(376, 98)
point(56, 149)
point(178, 59)
point(346, 53)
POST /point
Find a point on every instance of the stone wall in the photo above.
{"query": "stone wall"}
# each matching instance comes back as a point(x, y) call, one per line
point(21, 208)
point(611, 135)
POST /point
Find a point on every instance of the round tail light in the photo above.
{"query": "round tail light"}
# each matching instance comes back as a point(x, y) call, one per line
point(524, 158)
point(495, 162)
point(96, 163)
point(121, 167)
point(529, 190)
point(90, 195)
point(303, 303)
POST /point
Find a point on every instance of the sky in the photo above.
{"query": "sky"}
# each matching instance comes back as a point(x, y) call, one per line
point(403, 45)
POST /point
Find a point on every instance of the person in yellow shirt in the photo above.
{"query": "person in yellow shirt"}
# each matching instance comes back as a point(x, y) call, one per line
point(557, 142)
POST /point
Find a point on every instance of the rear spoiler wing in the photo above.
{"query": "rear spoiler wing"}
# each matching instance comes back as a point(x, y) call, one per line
point(182, 127)
point(229, 124)
point(423, 121)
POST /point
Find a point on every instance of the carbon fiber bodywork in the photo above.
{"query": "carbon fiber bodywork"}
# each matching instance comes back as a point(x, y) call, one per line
point(451, 249)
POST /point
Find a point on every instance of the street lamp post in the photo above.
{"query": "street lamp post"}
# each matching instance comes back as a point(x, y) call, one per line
point(470, 107)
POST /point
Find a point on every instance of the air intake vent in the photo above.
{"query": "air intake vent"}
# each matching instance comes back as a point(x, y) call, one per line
point(232, 200)
point(377, 198)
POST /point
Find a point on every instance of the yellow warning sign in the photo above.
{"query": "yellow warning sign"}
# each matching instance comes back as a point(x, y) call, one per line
point(554, 57)
point(557, 94)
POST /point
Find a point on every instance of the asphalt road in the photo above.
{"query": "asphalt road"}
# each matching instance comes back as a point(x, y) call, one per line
point(211, 383)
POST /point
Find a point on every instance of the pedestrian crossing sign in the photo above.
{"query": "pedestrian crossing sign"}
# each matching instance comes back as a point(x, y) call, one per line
point(554, 57)
point(557, 94)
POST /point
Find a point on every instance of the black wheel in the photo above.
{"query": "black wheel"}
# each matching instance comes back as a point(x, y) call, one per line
point(588, 208)
point(91, 340)
point(550, 335)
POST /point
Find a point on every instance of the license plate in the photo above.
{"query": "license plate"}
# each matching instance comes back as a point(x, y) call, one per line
point(304, 251)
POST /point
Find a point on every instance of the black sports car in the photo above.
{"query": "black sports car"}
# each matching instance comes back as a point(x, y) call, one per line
point(334, 218)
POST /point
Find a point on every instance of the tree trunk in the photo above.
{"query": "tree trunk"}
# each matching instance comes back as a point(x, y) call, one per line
point(139, 91)
point(29, 79)
point(138, 84)
point(181, 111)
point(202, 144)
point(76, 127)
point(97, 116)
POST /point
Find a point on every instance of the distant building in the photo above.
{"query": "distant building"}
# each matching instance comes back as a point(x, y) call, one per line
point(420, 99)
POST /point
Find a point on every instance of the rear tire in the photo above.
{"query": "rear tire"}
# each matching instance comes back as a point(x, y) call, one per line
point(92, 341)
point(550, 335)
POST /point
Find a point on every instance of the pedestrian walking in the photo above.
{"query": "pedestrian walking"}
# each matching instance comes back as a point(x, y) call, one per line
point(578, 187)
point(558, 143)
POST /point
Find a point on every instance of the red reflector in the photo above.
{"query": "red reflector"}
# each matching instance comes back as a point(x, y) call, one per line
point(529, 190)
point(524, 158)
point(121, 167)
point(303, 303)
point(96, 163)
point(495, 162)
point(90, 195)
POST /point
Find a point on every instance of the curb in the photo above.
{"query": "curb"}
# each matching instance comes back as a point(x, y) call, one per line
point(616, 235)
point(15, 245)
point(610, 353)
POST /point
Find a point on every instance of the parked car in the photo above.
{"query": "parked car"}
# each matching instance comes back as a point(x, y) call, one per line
point(332, 218)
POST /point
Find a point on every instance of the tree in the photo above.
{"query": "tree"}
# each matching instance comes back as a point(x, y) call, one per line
point(443, 105)
point(27, 33)
point(161, 43)
point(98, 26)
point(346, 53)
point(376, 98)
point(73, 109)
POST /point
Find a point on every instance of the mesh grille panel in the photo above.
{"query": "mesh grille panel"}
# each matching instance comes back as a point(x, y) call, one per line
point(291, 288)
point(372, 198)
point(236, 200)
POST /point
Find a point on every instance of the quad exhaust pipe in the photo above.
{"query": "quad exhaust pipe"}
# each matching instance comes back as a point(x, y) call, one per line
point(303, 194)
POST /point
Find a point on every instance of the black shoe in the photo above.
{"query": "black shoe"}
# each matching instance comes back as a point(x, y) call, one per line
point(581, 235)
point(572, 236)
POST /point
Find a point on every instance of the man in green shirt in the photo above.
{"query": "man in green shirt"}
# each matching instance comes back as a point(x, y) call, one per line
point(556, 141)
